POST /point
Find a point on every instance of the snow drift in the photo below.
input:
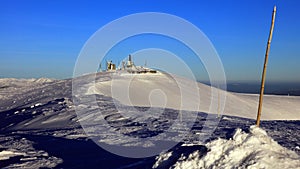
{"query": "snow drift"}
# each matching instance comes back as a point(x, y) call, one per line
point(245, 150)
point(144, 87)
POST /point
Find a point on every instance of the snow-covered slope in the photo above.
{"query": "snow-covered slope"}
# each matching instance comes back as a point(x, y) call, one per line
point(161, 90)
point(10, 87)
point(40, 128)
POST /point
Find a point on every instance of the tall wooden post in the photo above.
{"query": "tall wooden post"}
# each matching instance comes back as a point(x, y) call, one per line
point(218, 102)
point(265, 69)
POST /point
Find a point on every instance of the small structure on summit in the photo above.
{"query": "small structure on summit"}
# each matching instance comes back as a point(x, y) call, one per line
point(130, 63)
point(110, 66)
point(127, 66)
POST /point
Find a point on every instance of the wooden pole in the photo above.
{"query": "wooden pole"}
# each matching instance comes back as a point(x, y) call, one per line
point(218, 102)
point(265, 69)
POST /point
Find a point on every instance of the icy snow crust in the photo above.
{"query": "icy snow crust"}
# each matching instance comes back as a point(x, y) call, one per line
point(245, 150)
point(39, 128)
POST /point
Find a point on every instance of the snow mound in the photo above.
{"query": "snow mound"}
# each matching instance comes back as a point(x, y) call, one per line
point(245, 150)
point(175, 92)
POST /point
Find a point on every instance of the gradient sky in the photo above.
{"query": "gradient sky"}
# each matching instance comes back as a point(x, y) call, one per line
point(44, 38)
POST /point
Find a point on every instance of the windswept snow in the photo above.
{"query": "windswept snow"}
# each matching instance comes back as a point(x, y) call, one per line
point(177, 90)
point(161, 158)
point(5, 155)
point(40, 128)
point(245, 150)
point(22, 152)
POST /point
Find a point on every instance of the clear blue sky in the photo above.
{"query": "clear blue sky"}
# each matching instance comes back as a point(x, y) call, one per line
point(44, 38)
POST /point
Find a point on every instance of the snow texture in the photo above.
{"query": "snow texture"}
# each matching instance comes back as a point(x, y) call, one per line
point(40, 129)
point(242, 105)
point(245, 150)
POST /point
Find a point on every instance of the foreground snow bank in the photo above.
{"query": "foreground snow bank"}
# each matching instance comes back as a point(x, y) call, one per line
point(245, 150)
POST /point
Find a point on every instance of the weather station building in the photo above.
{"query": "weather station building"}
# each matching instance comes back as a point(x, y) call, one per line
point(127, 66)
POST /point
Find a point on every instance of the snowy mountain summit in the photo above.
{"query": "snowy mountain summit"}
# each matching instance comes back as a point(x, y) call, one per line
point(73, 123)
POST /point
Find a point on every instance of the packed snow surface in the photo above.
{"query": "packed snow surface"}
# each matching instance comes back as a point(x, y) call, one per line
point(180, 94)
